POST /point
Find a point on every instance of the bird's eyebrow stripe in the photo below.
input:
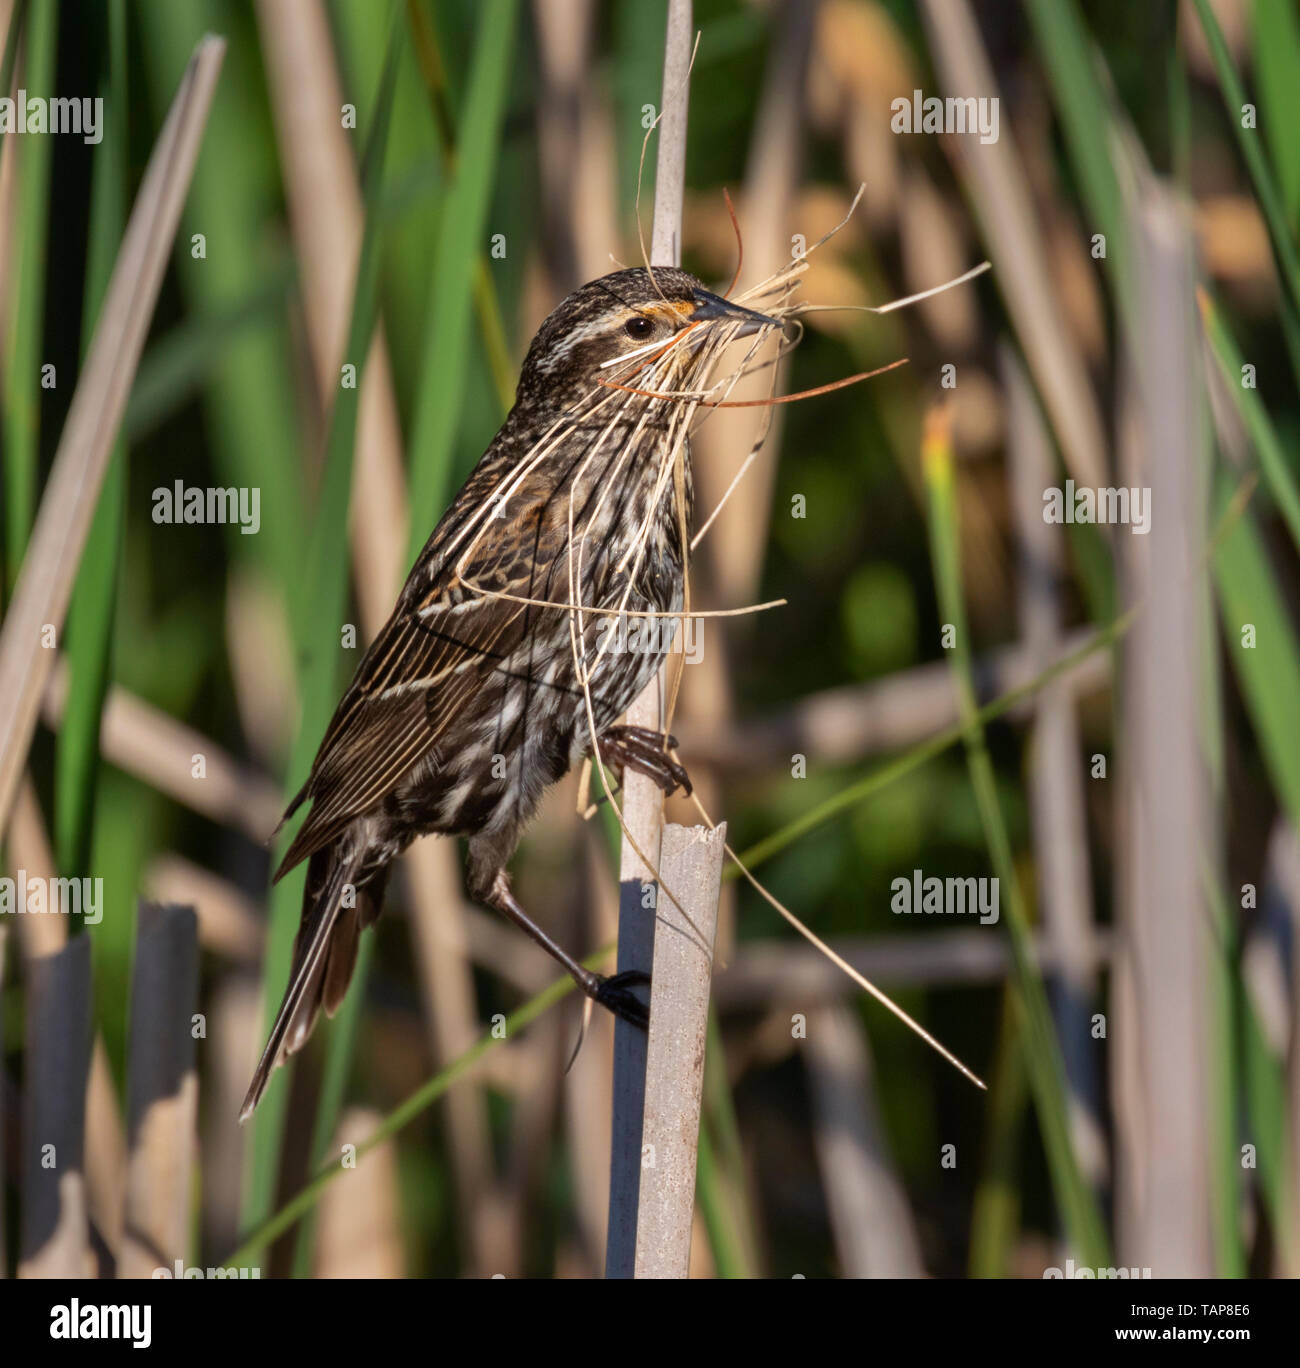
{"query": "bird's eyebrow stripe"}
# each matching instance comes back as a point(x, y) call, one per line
point(613, 294)
point(682, 307)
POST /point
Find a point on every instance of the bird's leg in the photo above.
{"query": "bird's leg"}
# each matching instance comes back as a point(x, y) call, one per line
point(642, 749)
point(613, 992)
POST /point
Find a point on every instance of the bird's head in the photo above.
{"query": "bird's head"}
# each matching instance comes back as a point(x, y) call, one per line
point(629, 315)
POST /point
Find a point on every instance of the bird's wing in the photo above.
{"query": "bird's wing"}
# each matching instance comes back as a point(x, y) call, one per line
point(424, 663)
point(450, 630)
point(460, 616)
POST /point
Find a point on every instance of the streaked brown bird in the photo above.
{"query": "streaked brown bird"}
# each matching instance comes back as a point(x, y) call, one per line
point(494, 672)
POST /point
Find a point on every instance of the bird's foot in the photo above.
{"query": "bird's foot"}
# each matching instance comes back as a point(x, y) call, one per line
point(615, 993)
point(642, 749)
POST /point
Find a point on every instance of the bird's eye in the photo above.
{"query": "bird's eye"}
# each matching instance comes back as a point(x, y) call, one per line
point(638, 327)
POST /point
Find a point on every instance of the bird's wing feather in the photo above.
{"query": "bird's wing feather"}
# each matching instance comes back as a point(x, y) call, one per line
point(448, 633)
point(398, 705)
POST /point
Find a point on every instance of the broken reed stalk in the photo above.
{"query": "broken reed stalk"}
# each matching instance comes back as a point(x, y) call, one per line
point(162, 1091)
point(55, 1229)
point(658, 1078)
point(690, 865)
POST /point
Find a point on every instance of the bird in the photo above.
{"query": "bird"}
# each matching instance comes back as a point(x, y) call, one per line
point(487, 684)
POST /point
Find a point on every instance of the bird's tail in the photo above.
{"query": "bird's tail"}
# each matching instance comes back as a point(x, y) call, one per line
point(334, 913)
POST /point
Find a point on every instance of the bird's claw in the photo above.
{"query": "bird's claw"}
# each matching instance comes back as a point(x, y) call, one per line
point(642, 749)
point(615, 994)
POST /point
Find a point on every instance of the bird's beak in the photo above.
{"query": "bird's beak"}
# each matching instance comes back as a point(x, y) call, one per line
point(710, 306)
